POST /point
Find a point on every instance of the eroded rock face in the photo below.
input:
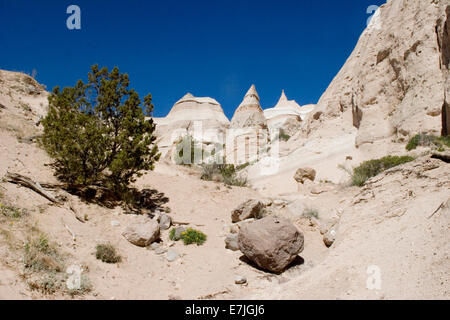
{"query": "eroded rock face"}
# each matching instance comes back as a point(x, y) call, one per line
point(249, 209)
point(303, 174)
point(272, 243)
point(249, 114)
point(396, 81)
point(142, 232)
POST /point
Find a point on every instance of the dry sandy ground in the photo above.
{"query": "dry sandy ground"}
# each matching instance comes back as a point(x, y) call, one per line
point(387, 224)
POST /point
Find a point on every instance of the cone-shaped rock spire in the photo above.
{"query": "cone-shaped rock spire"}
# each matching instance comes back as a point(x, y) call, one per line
point(249, 113)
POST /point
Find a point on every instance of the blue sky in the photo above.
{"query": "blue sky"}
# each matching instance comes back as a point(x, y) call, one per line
point(206, 47)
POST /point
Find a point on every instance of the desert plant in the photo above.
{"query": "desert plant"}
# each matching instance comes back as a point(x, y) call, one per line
point(371, 168)
point(98, 132)
point(40, 255)
point(311, 212)
point(12, 212)
point(228, 172)
point(107, 253)
point(426, 140)
point(191, 236)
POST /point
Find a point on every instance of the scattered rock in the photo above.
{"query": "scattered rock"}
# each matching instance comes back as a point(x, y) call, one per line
point(322, 189)
point(172, 255)
point(304, 174)
point(142, 232)
point(165, 222)
point(155, 245)
point(115, 223)
point(178, 232)
point(160, 250)
point(272, 243)
point(231, 242)
point(249, 209)
point(240, 280)
point(329, 237)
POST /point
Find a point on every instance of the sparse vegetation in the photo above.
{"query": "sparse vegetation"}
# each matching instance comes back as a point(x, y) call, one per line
point(371, 168)
point(228, 173)
point(45, 268)
point(425, 140)
point(173, 235)
point(283, 136)
point(107, 253)
point(311, 212)
point(40, 255)
point(12, 212)
point(191, 236)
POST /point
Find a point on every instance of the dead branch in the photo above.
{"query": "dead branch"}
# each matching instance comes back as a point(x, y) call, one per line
point(77, 214)
point(436, 211)
point(74, 238)
point(28, 183)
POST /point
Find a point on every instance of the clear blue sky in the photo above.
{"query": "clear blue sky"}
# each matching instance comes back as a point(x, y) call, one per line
point(206, 47)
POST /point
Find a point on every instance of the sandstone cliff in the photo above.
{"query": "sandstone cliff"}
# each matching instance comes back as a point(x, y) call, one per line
point(396, 81)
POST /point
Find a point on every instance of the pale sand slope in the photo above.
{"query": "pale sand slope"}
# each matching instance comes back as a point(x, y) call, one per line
point(389, 224)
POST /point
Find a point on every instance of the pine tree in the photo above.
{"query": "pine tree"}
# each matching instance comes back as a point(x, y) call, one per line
point(98, 133)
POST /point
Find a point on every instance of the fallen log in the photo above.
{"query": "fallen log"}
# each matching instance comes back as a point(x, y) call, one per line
point(28, 183)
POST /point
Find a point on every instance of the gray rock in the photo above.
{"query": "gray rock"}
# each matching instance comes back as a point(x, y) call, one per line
point(240, 280)
point(330, 237)
point(115, 223)
point(172, 255)
point(304, 174)
point(178, 232)
point(249, 209)
point(165, 222)
point(142, 232)
point(160, 250)
point(272, 243)
point(231, 242)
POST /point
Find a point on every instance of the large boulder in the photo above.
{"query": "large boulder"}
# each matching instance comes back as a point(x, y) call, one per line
point(272, 243)
point(142, 232)
point(247, 210)
point(303, 174)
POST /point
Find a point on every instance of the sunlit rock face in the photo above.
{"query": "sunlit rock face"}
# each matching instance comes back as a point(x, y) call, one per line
point(249, 114)
point(287, 115)
point(396, 81)
point(200, 117)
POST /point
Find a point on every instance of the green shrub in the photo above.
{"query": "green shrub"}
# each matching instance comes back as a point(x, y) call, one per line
point(425, 140)
point(371, 168)
point(98, 132)
point(311, 212)
point(172, 235)
point(12, 212)
point(107, 253)
point(228, 172)
point(40, 255)
point(191, 236)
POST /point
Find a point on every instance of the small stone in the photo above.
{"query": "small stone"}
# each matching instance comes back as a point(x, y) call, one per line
point(161, 250)
point(240, 280)
point(231, 242)
point(165, 222)
point(115, 223)
point(172, 255)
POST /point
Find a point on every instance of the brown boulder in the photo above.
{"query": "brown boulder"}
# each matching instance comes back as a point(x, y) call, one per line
point(272, 243)
point(142, 232)
point(247, 210)
point(304, 174)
